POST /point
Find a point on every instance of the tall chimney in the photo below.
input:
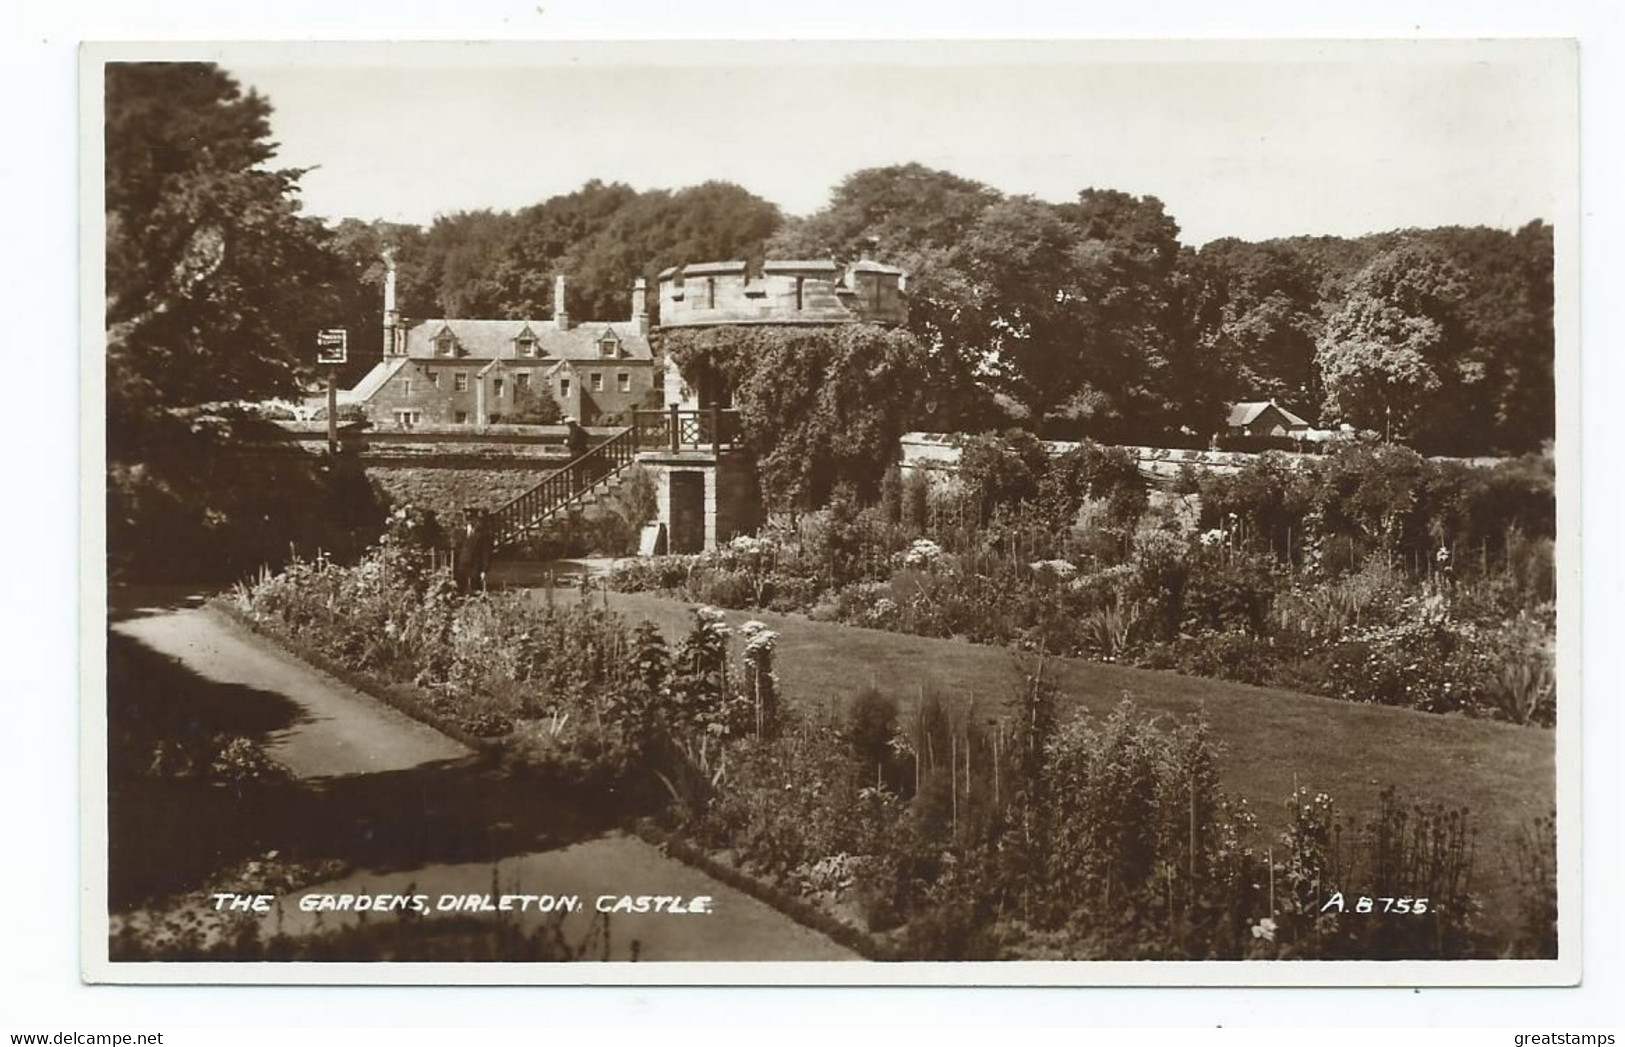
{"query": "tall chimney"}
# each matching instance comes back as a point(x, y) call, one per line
point(640, 306)
point(392, 317)
point(561, 316)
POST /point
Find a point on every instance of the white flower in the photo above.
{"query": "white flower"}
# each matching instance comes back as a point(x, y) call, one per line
point(1062, 569)
point(922, 553)
point(1264, 929)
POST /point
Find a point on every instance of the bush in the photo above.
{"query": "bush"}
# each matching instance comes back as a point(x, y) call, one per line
point(1402, 851)
point(1001, 470)
point(871, 724)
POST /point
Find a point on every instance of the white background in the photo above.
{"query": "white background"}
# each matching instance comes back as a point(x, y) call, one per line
point(39, 878)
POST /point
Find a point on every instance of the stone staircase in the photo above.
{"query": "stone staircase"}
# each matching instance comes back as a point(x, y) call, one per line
point(580, 483)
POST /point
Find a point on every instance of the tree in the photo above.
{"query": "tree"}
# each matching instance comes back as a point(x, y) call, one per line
point(819, 406)
point(1268, 323)
point(1071, 306)
point(216, 285)
point(1386, 355)
point(534, 406)
point(914, 217)
point(714, 221)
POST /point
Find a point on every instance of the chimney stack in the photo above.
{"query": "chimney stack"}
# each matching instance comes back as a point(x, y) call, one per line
point(392, 317)
point(561, 316)
point(640, 306)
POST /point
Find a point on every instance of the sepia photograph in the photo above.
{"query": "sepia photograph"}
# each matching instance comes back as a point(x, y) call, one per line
point(928, 512)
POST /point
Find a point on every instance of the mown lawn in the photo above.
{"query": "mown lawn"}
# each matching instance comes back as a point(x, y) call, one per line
point(1273, 740)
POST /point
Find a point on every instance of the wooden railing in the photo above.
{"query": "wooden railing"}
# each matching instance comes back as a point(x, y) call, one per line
point(686, 429)
point(562, 488)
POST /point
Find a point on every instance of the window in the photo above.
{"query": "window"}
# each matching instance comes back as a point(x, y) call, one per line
point(521, 381)
point(406, 387)
point(710, 292)
point(445, 345)
point(408, 418)
point(461, 382)
point(623, 382)
point(609, 346)
point(460, 417)
point(598, 381)
point(434, 378)
point(564, 387)
point(801, 287)
point(526, 345)
point(496, 388)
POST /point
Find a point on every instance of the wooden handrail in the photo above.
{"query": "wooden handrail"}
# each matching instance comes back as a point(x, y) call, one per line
point(562, 487)
point(677, 429)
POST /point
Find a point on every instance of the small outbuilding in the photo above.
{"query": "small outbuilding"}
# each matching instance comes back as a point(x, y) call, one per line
point(1264, 418)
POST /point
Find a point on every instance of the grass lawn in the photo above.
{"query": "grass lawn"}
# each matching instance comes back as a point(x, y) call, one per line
point(1273, 740)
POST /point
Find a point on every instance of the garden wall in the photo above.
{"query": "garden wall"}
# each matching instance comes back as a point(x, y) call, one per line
point(937, 455)
point(446, 468)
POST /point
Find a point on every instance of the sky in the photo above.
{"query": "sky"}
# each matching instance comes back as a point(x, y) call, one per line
point(1251, 141)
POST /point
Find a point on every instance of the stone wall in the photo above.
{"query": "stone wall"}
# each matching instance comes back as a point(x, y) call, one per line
point(782, 293)
point(445, 468)
point(704, 499)
point(447, 490)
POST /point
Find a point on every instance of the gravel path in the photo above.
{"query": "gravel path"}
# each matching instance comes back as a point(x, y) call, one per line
point(342, 730)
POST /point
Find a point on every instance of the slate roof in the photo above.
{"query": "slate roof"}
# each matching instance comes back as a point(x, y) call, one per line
point(800, 265)
point(867, 266)
point(372, 381)
point(494, 340)
point(1246, 413)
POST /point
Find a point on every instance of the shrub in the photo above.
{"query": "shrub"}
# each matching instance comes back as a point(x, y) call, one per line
point(1229, 590)
point(1108, 474)
point(1141, 853)
point(1534, 861)
point(1001, 470)
point(871, 724)
point(1401, 851)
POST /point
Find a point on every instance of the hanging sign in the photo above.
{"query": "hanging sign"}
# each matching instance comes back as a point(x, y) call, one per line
point(332, 346)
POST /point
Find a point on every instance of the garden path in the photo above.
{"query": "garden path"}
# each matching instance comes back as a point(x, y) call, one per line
point(408, 808)
point(341, 731)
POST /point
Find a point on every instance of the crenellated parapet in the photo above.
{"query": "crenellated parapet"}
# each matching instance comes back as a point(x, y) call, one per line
point(782, 292)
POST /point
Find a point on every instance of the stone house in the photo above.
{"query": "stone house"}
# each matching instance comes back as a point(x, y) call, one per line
point(480, 372)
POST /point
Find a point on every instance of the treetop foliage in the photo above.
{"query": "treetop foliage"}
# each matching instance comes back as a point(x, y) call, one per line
point(1083, 318)
point(216, 284)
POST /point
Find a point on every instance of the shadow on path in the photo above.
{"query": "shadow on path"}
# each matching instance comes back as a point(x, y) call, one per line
point(169, 831)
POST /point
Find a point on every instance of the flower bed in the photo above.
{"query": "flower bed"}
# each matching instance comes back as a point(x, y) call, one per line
point(951, 832)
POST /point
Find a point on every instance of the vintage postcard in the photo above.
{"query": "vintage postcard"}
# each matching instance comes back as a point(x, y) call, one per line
point(858, 513)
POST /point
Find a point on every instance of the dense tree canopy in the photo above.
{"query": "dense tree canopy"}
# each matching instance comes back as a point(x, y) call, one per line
point(1080, 318)
point(602, 237)
point(215, 284)
point(819, 406)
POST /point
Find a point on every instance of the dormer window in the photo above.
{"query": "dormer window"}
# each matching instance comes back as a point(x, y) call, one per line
point(445, 344)
point(609, 345)
point(526, 346)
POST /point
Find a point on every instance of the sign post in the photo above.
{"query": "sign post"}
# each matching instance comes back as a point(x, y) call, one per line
point(332, 349)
